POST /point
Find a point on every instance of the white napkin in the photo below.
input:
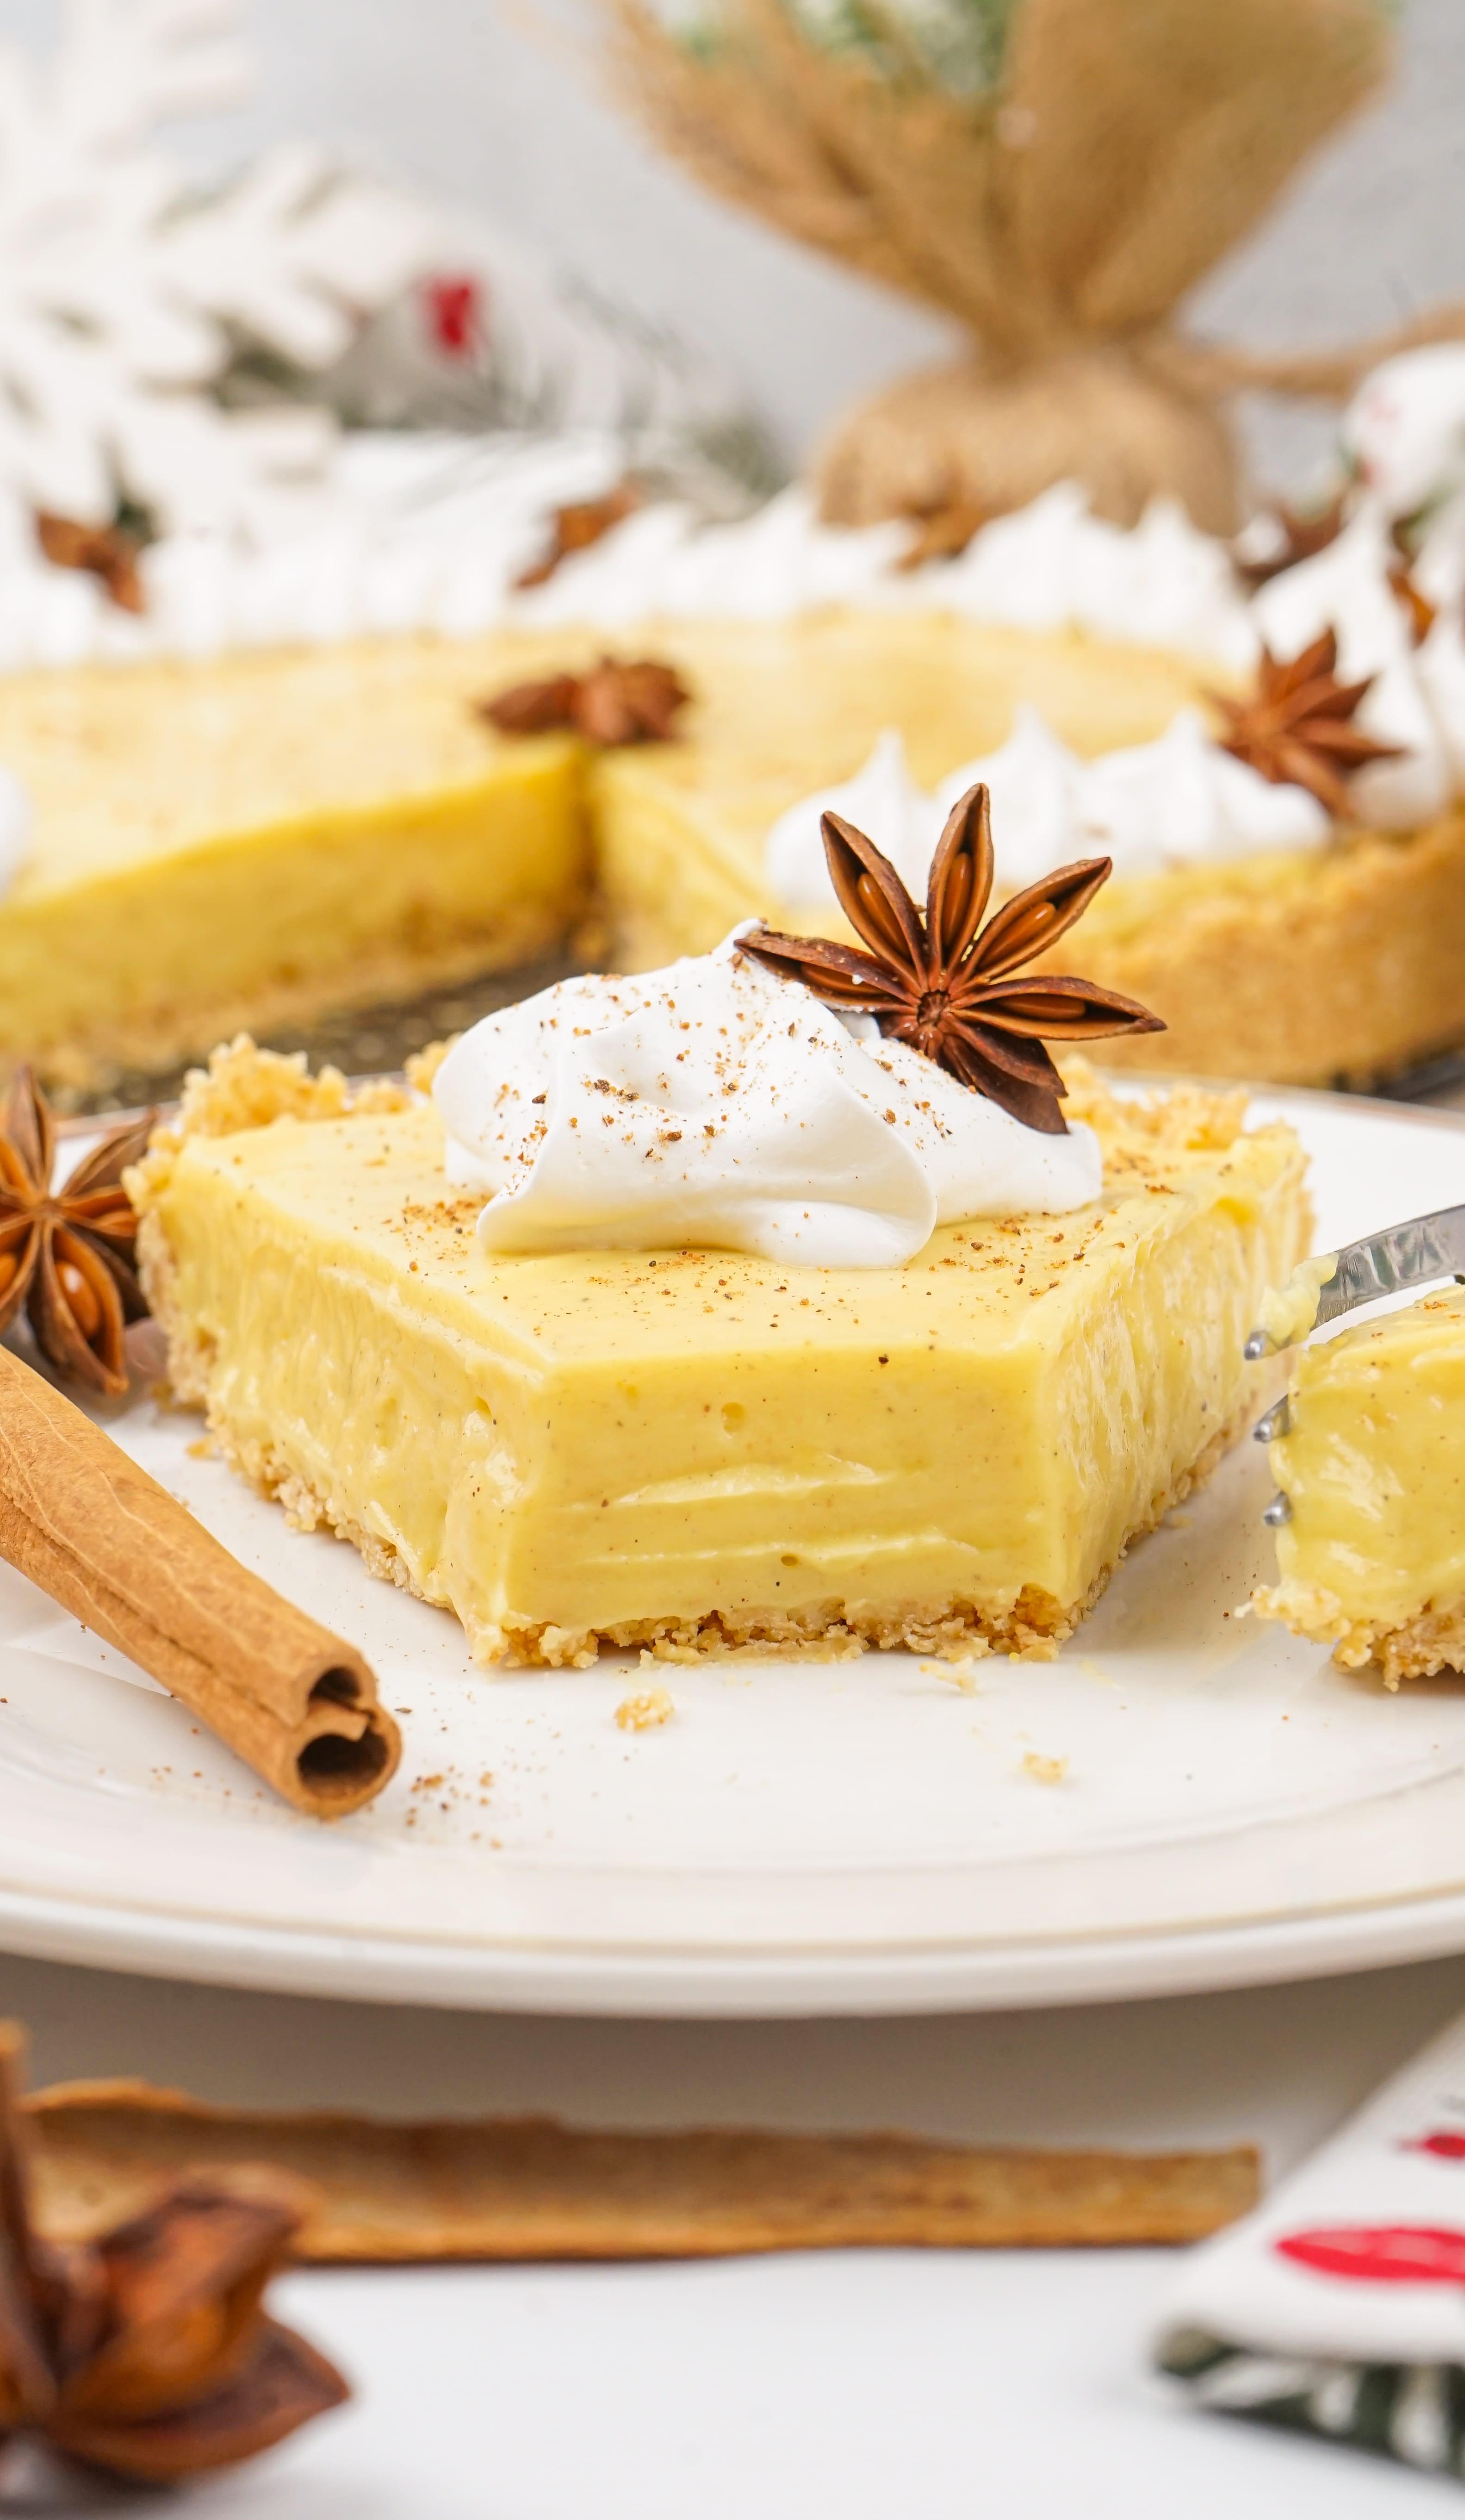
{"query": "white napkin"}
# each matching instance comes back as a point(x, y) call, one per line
point(1339, 2306)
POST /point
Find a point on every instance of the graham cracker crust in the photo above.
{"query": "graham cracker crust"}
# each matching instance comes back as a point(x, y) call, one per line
point(1287, 983)
point(1432, 1640)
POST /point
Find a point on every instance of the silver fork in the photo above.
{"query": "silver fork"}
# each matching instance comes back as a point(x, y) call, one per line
point(1415, 1254)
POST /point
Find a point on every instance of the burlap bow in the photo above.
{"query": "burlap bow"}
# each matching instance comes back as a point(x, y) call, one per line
point(1061, 213)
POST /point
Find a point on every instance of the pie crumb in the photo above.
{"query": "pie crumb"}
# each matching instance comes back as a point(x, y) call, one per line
point(642, 1713)
point(1044, 1771)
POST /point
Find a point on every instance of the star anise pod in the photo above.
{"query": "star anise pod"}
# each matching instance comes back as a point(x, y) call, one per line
point(1420, 612)
point(534, 709)
point(1303, 536)
point(147, 2353)
point(107, 552)
point(1298, 728)
point(616, 702)
point(943, 532)
point(68, 1255)
point(577, 527)
point(946, 984)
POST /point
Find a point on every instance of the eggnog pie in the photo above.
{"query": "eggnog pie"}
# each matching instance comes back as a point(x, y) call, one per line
point(263, 839)
point(694, 1312)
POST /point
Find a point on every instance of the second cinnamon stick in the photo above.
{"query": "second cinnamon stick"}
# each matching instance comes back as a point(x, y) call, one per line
point(531, 2188)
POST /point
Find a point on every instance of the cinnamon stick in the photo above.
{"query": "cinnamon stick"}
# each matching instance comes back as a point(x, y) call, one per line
point(93, 1530)
point(524, 2188)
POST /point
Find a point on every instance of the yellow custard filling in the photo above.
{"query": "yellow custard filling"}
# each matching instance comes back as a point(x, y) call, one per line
point(1288, 1313)
point(264, 837)
point(1373, 1466)
point(793, 706)
point(697, 1449)
point(260, 839)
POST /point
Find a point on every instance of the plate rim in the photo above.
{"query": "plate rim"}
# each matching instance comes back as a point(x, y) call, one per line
point(677, 1982)
point(671, 1984)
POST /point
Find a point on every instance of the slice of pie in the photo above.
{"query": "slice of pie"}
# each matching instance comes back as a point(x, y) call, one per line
point(1373, 1465)
point(700, 1450)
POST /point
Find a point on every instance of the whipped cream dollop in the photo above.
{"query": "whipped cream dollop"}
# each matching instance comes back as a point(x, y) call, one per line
point(398, 531)
point(883, 800)
point(1181, 801)
point(1403, 434)
point(1047, 567)
point(1054, 566)
point(1439, 663)
point(1345, 588)
point(663, 564)
point(395, 530)
point(714, 1104)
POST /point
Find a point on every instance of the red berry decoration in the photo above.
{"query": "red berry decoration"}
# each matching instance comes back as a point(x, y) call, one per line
point(455, 314)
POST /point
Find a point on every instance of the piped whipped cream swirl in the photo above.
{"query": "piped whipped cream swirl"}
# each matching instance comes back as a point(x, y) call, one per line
point(389, 531)
point(1181, 800)
point(713, 1104)
point(1054, 564)
point(882, 800)
point(1413, 698)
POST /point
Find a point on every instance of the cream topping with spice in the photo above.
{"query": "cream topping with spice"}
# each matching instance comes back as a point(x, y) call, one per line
point(713, 1104)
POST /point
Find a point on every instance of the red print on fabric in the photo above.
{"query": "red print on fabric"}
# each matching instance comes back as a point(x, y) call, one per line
point(1445, 2143)
point(1379, 2253)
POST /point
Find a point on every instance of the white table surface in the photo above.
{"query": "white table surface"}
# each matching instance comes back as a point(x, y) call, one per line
point(903, 2385)
point(862, 2385)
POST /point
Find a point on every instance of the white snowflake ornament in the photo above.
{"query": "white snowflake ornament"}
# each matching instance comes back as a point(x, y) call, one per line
point(125, 293)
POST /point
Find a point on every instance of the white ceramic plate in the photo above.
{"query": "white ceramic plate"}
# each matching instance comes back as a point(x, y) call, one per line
point(1182, 1799)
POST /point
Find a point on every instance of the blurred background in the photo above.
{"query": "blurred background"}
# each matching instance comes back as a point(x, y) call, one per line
point(495, 106)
